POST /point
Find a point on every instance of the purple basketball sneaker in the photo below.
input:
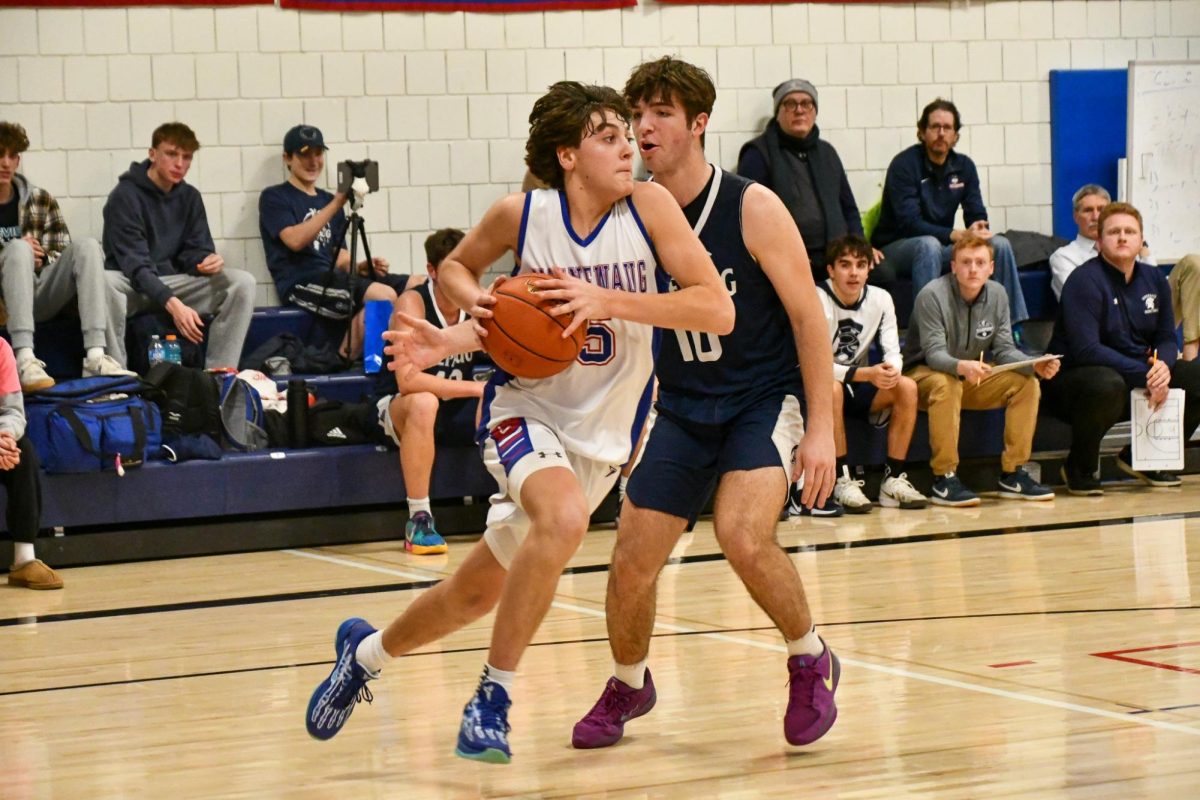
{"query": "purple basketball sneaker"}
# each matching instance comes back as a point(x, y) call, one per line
point(605, 723)
point(811, 710)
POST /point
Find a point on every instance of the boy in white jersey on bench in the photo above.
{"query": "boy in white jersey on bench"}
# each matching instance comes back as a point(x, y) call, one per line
point(857, 315)
point(564, 437)
point(728, 415)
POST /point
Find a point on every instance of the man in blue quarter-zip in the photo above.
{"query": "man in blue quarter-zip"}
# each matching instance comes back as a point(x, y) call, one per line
point(1116, 331)
point(959, 329)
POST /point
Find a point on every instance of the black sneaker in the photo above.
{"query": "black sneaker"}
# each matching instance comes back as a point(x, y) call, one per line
point(1019, 485)
point(1079, 484)
point(948, 490)
point(830, 508)
point(1152, 477)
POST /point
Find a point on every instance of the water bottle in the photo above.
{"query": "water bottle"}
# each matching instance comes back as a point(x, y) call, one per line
point(172, 352)
point(297, 412)
point(156, 353)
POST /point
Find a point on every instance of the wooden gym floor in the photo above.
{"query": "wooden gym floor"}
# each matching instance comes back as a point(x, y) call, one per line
point(1031, 650)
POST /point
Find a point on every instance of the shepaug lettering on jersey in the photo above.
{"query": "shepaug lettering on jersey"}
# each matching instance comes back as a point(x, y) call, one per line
point(625, 276)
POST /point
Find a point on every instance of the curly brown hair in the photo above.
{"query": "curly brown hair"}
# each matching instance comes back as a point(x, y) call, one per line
point(562, 117)
point(13, 139)
point(669, 80)
point(177, 134)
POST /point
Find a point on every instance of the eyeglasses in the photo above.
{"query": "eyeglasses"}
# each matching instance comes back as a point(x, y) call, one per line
point(940, 128)
point(792, 105)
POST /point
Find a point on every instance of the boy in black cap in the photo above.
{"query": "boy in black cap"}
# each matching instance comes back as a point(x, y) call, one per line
point(301, 225)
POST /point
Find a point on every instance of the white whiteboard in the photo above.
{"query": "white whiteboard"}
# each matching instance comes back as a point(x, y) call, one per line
point(1163, 154)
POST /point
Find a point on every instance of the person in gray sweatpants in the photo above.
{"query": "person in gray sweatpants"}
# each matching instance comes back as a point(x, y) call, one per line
point(159, 252)
point(42, 271)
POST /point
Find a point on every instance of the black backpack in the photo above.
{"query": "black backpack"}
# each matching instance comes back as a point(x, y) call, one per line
point(190, 400)
point(301, 358)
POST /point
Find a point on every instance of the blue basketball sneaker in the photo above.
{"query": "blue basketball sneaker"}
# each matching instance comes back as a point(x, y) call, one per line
point(335, 697)
point(484, 732)
point(421, 538)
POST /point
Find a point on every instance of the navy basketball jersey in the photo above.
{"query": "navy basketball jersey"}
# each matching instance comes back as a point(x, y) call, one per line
point(708, 378)
point(458, 367)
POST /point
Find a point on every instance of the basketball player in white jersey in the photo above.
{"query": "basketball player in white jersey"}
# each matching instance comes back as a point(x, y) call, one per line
point(554, 445)
point(728, 415)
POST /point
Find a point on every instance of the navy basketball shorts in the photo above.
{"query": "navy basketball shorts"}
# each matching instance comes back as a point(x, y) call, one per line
point(682, 461)
point(455, 424)
point(856, 403)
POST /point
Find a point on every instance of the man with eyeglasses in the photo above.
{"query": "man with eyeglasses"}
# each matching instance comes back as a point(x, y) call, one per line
point(925, 186)
point(791, 159)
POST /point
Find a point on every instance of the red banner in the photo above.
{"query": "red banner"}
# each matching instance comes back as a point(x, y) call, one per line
point(454, 5)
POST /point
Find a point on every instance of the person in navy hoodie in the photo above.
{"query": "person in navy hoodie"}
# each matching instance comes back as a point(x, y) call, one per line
point(1116, 332)
point(159, 252)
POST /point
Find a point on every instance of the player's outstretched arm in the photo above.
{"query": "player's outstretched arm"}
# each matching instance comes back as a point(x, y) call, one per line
point(410, 379)
point(420, 345)
point(773, 240)
point(495, 235)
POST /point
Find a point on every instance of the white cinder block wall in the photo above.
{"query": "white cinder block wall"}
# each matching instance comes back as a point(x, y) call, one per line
point(441, 100)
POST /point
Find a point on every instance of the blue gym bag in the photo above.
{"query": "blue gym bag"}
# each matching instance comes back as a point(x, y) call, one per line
point(91, 424)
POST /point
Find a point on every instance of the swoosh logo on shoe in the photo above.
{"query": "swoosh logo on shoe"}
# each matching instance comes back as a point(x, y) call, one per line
point(1008, 488)
point(941, 492)
point(828, 681)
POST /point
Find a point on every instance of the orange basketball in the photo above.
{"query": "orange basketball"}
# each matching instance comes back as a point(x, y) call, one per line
point(523, 338)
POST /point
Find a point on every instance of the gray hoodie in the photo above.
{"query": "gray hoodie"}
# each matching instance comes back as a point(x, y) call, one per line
point(945, 329)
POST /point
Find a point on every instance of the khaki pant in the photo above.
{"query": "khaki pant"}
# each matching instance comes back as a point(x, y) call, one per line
point(1185, 296)
point(944, 397)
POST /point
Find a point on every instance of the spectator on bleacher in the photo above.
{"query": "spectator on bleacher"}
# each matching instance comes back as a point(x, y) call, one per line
point(1185, 302)
point(924, 188)
point(431, 408)
point(159, 252)
point(791, 159)
point(1086, 206)
point(1116, 331)
point(19, 474)
point(42, 270)
point(301, 225)
point(859, 315)
point(959, 329)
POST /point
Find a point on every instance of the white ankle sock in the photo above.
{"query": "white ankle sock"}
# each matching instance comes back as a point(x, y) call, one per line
point(23, 355)
point(632, 675)
point(416, 504)
point(502, 677)
point(95, 353)
point(370, 654)
point(22, 553)
point(807, 645)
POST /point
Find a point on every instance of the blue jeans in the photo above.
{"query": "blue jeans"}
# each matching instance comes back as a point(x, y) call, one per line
point(924, 258)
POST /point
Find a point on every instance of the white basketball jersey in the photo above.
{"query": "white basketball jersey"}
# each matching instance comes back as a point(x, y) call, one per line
point(595, 403)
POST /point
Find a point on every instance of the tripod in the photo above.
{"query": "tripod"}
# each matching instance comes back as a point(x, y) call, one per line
point(356, 227)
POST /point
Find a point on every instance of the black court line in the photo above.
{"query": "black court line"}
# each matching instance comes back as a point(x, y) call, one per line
point(582, 570)
point(484, 648)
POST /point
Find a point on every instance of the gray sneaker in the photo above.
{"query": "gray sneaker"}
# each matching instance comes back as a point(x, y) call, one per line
point(104, 365)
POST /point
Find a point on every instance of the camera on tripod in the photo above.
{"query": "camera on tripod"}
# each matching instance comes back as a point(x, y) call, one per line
point(349, 173)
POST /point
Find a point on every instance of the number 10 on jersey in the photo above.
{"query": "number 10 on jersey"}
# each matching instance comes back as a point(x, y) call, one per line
point(696, 346)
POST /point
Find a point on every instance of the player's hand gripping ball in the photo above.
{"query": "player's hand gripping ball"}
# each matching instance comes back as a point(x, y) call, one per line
point(524, 339)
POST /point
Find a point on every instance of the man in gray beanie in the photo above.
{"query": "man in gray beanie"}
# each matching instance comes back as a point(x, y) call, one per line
point(792, 159)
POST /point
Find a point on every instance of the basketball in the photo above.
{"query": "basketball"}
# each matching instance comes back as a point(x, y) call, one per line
point(523, 338)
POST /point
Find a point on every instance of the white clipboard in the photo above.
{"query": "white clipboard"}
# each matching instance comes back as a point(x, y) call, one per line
point(1157, 437)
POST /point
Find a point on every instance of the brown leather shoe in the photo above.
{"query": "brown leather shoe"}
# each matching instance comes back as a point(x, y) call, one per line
point(34, 575)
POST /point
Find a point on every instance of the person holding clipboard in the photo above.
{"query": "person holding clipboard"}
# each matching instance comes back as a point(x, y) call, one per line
point(958, 349)
point(1116, 330)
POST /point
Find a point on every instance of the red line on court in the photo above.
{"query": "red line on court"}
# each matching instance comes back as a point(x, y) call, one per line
point(1011, 664)
point(1120, 655)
